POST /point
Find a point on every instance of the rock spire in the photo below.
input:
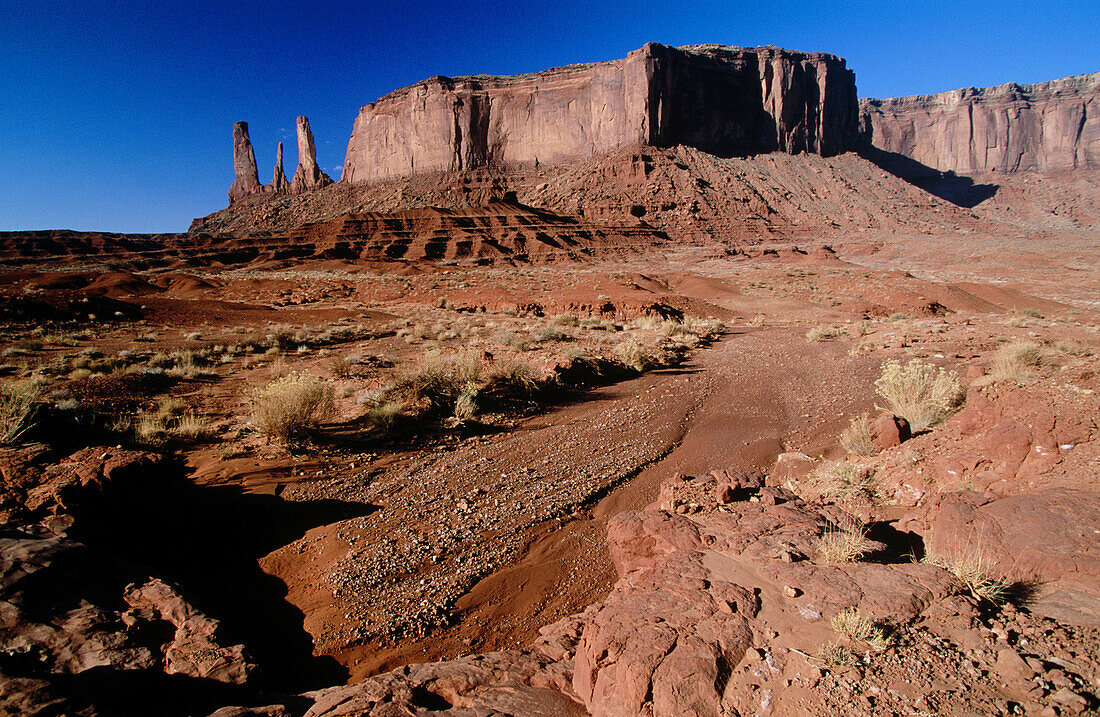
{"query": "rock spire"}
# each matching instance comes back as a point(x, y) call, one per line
point(308, 175)
point(246, 180)
point(279, 185)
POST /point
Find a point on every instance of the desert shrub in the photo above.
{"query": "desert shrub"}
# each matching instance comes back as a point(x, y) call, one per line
point(291, 404)
point(512, 376)
point(1015, 361)
point(466, 404)
point(843, 544)
point(834, 654)
point(843, 480)
point(17, 405)
point(975, 571)
point(151, 429)
point(825, 333)
point(565, 320)
point(1073, 349)
point(857, 628)
point(919, 392)
point(437, 379)
point(384, 416)
point(634, 355)
point(192, 426)
point(550, 333)
point(858, 437)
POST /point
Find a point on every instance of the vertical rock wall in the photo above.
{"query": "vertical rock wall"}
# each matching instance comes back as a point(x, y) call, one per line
point(730, 101)
point(1046, 127)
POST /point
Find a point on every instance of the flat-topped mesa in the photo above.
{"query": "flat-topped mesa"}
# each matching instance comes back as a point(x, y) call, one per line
point(279, 184)
point(724, 100)
point(246, 180)
point(1050, 126)
point(308, 176)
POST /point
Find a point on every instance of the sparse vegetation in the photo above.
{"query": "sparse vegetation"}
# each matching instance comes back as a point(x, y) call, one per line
point(850, 624)
point(834, 654)
point(291, 404)
point(858, 437)
point(844, 481)
point(825, 333)
point(437, 379)
point(634, 355)
point(971, 566)
point(1017, 360)
point(845, 544)
point(919, 392)
point(17, 405)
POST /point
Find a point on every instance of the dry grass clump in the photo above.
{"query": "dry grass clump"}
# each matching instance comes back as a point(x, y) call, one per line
point(513, 374)
point(974, 570)
point(385, 416)
point(437, 379)
point(1073, 349)
point(843, 544)
point(17, 404)
point(1016, 361)
point(858, 437)
point(857, 628)
point(634, 355)
point(192, 426)
point(919, 392)
point(825, 333)
point(151, 429)
point(834, 654)
point(291, 404)
point(843, 480)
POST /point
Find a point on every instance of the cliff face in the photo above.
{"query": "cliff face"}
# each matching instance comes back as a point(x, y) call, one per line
point(1045, 127)
point(728, 101)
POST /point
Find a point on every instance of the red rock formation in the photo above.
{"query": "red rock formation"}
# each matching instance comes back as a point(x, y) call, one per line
point(279, 183)
point(308, 176)
point(730, 101)
point(1045, 127)
point(246, 180)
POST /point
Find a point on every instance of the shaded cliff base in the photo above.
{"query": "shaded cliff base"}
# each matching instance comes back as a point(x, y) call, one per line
point(695, 197)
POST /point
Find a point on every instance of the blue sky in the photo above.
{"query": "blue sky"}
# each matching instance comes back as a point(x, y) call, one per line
point(117, 116)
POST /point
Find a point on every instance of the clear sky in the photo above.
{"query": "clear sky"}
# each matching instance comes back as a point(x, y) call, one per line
point(117, 116)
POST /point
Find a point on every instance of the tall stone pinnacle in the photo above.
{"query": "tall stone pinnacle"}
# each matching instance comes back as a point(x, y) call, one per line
point(308, 175)
point(279, 185)
point(246, 180)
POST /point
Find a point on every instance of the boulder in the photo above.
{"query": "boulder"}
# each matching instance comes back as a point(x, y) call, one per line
point(888, 430)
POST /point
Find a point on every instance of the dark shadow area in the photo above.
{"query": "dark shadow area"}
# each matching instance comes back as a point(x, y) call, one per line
point(141, 693)
point(901, 547)
point(207, 540)
point(948, 186)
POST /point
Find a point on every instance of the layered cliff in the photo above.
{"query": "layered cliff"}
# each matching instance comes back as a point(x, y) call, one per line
point(1045, 127)
point(723, 100)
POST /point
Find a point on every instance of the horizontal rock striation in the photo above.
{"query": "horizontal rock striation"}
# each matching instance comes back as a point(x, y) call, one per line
point(1050, 126)
point(724, 100)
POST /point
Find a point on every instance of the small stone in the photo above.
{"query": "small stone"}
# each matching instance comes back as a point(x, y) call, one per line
point(791, 592)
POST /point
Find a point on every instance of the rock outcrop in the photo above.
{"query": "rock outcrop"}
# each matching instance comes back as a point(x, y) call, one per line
point(1050, 126)
point(308, 176)
point(725, 100)
point(279, 183)
point(246, 180)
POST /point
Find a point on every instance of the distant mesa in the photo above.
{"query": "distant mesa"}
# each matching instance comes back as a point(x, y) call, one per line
point(1046, 127)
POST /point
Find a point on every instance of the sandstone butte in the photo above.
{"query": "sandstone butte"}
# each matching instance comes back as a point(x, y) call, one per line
point(723, 100)
point(1050, 126)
